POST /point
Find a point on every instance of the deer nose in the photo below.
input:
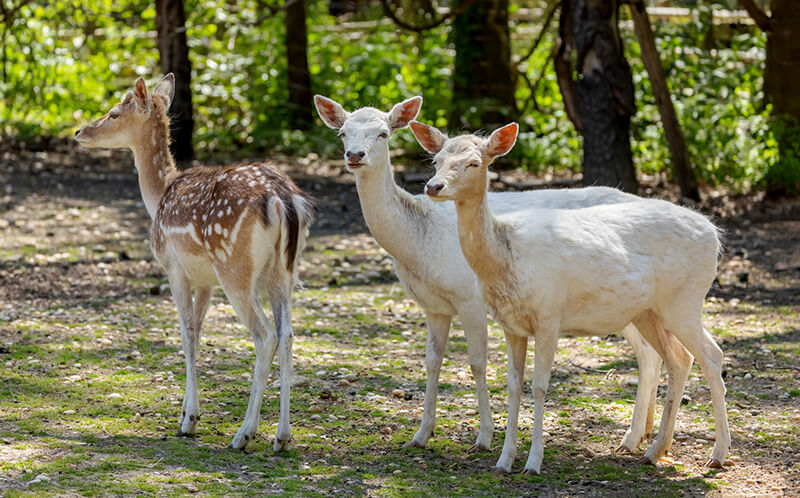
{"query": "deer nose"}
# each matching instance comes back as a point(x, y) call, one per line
point(433, 189)
point(351, 155)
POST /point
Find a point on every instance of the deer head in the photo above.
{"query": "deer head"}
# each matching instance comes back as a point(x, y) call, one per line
point(365, 132)
point(121, 126)
point(462, 162)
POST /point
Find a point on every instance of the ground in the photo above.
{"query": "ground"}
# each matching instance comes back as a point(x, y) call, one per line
point(93, 372)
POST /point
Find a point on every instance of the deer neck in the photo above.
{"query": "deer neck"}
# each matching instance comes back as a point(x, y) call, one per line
point(483, 240)
point(395, 218)
point(154, 162)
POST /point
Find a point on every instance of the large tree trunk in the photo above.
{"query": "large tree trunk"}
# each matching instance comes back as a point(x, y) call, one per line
point(782, 88)
point(300, 113)
point(483, 78)
point(174, 54)
point(681, 165)
point(604, 93)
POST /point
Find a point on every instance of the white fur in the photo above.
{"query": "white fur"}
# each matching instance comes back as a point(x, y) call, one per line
point(590, 271)
point(432, 268)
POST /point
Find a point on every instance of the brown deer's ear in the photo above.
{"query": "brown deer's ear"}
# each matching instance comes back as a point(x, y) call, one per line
point(431, 139)
point(140, 95)
point(331, 112)
point(402, 114)
point(166, 87)
point(502, 140)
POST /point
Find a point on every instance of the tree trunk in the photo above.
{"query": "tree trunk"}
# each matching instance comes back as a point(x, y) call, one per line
point(782, 88)
point(174, 54)
point(300, 113)
point(483, 81)
point(681, 165)
point(604, 95)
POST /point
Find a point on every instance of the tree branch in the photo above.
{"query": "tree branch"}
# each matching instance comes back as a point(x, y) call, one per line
point(761, 18)
point(419, 29)
point(553, 8)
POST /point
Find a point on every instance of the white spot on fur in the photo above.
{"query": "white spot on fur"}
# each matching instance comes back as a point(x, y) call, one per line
point(218, 228)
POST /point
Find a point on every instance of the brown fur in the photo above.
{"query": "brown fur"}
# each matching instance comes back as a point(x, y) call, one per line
point(212, 199)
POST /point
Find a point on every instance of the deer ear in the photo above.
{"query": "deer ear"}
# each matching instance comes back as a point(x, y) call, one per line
point(140, 95)
point(331, 112)
point(402, 114)
point(502, 140)
point(431, 139)
point(166, 88)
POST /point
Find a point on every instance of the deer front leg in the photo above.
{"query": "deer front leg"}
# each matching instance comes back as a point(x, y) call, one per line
point(438, 331)
point(544, 354)
point(517, 348)
point(190, 337)
point(473, 318)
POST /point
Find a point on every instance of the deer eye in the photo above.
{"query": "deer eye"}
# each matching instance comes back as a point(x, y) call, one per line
point(113, 115)
point(383, 134)
point(342, 134)
point(473, 164)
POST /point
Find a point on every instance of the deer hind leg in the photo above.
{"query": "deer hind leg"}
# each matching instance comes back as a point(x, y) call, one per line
point(246, 303)
point(438, 331)
point(699, 342)
point(190, 338)
point(679, 362)
point(644, 408)
point(476, 332)
point(280, 299)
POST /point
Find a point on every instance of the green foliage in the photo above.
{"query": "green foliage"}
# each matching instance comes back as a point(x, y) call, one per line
point(66, 62)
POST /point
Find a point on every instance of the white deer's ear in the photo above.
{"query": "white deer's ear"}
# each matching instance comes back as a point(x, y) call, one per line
point(331, 112)
point(404, 112)
point(166, 87)
point(140, 95)
point(431, 139)
point(502, 140)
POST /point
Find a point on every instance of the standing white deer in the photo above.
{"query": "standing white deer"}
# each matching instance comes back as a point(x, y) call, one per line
point(241, 227)
point(421, 237)
point(583, 272)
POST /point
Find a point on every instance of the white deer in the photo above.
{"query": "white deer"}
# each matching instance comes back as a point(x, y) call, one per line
point(421, 237)
point(583, 272)
point(241, 227)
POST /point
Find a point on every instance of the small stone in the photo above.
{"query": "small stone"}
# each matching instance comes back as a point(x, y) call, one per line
point(471, 412)
point(320, 373)
point(351, 377)
point(114, 396)
point(729, 463)
point(386, 430)
point(685, 399)
point(343, 383)
point(314, 409)
point(587, 453)
point(398, 393)
point(316, 416)
point(748, 376)
point(68, 412)
point(304, 466)
point(632, 382)
point(735, 458)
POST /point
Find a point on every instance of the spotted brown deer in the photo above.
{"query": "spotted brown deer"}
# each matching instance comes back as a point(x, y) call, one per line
point(240, 227)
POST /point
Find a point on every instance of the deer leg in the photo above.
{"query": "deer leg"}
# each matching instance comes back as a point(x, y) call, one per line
point(475, 331)
point(438, 332)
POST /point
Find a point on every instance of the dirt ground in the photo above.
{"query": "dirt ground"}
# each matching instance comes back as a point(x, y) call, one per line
point(92, 368)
